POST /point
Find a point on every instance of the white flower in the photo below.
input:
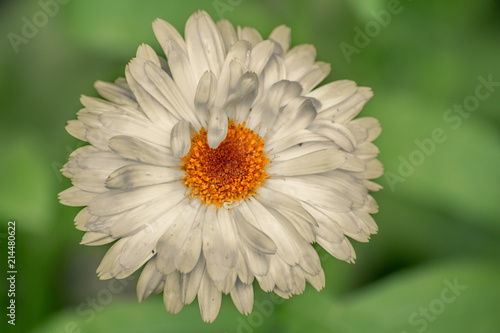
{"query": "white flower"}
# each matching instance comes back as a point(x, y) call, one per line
point(223, 165)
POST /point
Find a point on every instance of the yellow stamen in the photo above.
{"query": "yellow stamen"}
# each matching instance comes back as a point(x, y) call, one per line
point(231, 172)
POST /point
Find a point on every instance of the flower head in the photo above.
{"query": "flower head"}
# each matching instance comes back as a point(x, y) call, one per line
point(221, 165)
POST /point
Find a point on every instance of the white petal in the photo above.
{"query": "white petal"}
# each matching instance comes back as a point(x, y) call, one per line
point(155, 111)
point(333, 93)
point(137, 150)
point(146, 52)
point(245, 274)
point(117, 123)
point(349, 108)
point(250, 34)
point(299, 60)
point(227, 284)
point(90, 158)
point(282, 36)
point(98, 138)
point(281, 273)
point(189, 253)
point(266, 282)
point(217, 127)
point(370, 205)
point(303, 149)
point(174, 237)
point(260, 56)
point(227, 32)
point(163, 88)
point(284, 203)
point(205, 93)
point(319, 71)
point(116, 201)
point(370, 124)
point(90, 116)
point(366, 220)
point(299, 279)
point(279, 95)
point(172, 293)
point(122, 82)
point(346, 221)
point(270, 226)
point(232, 69)
point(191, 282)
point(258, 263)
point(91, 180)
point(152, 86)
point(253, 237)
point(150, 282)
point(236, 70)
point(274, 71)
point(343, 251)
point(204, 43)
point(96, 239)
point(132, 221)
point(219, 243)
point(82, 218)
point(138, 175)
point(242, 296)
point(316, 162)
point(310, 190)
point(242, 97)
point(116, 93)
point(138, 127)
point(76, 128)
point(347, 184)
point(353, 163)
point(317, 280)
point(142, 246)
point(165, 31)
point(180, 138)
point(137, 250)
point(366, 151)
point(372, 186)
point(282, 142)
point(87, 149)
point(336, 132)
point(104, 268)
point(181, 69)
point(308, 258)
point(94, 102)
point(326, 227)
point(75, 197)
point(296, 115)
point(360, 133)
point(209, 299)
point(291, 210)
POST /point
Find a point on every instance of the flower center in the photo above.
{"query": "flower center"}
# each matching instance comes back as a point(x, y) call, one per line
point(232, 171)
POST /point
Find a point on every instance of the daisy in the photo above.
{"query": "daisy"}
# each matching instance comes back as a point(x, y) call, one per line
point(222, 164)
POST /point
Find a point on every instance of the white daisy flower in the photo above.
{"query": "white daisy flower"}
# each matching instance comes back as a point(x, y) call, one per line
point(221, 165)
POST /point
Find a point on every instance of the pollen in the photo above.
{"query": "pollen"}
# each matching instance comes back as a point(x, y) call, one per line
point(231, 172)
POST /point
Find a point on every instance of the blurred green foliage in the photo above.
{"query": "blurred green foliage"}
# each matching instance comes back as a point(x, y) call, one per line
point(439, 223)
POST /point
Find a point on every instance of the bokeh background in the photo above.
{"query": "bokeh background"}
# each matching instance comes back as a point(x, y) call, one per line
point(433, 267)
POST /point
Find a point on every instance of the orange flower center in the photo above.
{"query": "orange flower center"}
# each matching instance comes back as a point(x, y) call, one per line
point(232, 171)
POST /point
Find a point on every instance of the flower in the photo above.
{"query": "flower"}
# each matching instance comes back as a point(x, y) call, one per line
point(222, 164)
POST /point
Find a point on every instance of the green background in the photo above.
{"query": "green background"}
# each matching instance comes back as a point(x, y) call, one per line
point(439, 216)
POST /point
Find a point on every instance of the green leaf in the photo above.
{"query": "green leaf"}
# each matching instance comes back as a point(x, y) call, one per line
point(118, 27)
point(27, 193)
point(442, 297)
point(126, 315)
point(457, 169)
